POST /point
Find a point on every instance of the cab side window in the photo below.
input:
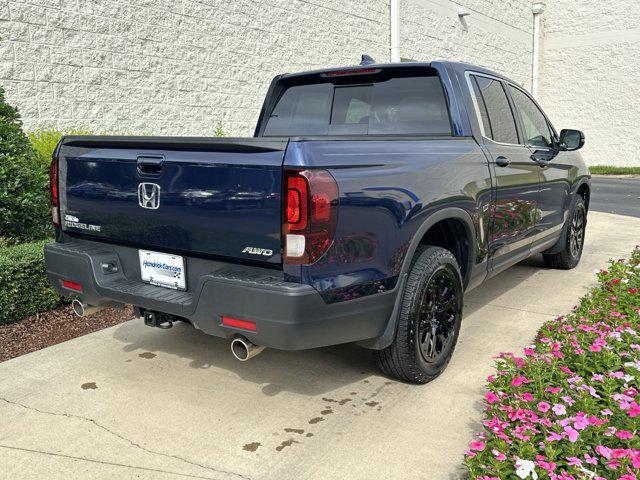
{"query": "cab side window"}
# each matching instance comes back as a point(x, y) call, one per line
point(536, 129)
point(495, 112)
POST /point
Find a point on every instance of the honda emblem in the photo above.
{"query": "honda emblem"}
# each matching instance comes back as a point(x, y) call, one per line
point(149, 195)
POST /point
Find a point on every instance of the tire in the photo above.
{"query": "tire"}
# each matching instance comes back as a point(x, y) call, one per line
point(413, 357)
point(570, 255)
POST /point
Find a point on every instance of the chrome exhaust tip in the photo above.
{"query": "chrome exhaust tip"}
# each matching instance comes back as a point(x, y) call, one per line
point(242, 349)
point(82, 309)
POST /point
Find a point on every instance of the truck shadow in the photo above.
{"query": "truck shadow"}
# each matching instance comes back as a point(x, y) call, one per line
point(502, 284)
point(308, 372)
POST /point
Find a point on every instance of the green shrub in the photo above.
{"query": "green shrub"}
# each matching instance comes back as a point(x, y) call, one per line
point(218, 131)
point(44, 142)
point(25, 289)
point(24, 206)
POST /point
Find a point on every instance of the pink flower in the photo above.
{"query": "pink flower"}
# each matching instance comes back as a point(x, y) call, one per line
point(499, 456)
point(634, 410)
point(477, 445)
point(550, 466)
point(603, 451)
point(491, 397)
point(554, 437)
point(572, 434)
point(574, 461)
point(559, 409)
point(543, 407)
point(589, 459)
point(580, 423)
point(628, 476)
point(517, 381)
point(613, 464)
point(624, 435)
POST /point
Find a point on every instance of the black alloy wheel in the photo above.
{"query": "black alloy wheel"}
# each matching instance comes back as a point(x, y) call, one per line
point(438, 315)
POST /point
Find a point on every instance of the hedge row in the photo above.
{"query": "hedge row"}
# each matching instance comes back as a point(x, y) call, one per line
point(24, 204)
point(25, 289)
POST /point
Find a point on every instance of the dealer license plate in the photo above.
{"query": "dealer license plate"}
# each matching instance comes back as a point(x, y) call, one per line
point(162, 269)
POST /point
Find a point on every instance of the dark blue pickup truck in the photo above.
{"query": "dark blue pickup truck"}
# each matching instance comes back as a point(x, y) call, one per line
point(368, 201)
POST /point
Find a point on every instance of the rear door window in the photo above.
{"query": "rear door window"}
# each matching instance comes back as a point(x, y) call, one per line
point(392, 106)
point(496, 115)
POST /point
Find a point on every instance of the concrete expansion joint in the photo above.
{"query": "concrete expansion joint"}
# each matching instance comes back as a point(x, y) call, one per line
point(489, 304)
point(129, 441)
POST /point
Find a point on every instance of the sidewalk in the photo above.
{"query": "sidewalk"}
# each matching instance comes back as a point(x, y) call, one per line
point(131, 401)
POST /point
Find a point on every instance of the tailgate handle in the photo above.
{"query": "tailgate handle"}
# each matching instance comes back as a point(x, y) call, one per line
point(150, 165)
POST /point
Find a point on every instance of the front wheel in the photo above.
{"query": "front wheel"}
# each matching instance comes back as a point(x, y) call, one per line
point(429, 319)
point(570, 255)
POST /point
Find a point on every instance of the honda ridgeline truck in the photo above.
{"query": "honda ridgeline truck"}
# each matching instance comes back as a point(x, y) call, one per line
point(369, 199)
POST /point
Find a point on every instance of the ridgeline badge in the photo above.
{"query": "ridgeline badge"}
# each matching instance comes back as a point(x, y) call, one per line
point(74, 222)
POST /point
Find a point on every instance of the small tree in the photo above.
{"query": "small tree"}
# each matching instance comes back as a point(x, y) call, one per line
point(24, 209)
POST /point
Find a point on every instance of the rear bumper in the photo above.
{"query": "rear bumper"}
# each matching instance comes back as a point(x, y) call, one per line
point(288, 316)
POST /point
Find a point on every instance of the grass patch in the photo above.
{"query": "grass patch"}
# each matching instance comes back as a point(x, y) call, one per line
point(611, 170)
point(568, 409)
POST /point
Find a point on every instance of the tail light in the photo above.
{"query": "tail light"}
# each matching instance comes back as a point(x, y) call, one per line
point(310, 214)
point(53, 190)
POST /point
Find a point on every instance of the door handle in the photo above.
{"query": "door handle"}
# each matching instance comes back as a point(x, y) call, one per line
point(150, 165)
point(502, 161)
point(540, 160)
point(543, 157)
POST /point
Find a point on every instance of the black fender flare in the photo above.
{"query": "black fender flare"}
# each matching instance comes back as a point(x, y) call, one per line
point(447, 213)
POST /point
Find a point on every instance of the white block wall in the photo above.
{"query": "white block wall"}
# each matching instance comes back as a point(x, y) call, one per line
point(180, 66)
point(497, 34)
point(171, 66)
point(590, 74)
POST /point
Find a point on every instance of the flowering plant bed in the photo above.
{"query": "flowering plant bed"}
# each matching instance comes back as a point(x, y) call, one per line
point(569, 408)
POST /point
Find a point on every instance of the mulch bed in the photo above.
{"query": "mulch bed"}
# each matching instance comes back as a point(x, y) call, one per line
point(55, 326)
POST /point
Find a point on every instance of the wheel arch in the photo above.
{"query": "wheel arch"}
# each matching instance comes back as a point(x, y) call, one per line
point(584, 190)
point(460, 218)
point(457, 218)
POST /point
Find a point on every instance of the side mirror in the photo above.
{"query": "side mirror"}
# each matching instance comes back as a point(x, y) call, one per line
point(571, 140)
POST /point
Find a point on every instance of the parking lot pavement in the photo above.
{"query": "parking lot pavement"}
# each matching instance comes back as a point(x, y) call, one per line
point(620, 195)
point(135, 402)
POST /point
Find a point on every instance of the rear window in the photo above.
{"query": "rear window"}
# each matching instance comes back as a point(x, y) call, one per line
point(353, 105)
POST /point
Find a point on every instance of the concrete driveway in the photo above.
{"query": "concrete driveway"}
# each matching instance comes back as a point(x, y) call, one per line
point(135, 402)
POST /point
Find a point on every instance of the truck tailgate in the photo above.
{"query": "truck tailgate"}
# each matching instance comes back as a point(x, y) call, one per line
point(198, 195)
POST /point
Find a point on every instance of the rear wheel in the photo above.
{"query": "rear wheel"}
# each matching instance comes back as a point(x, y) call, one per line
point(429, 319)
point(570, 255)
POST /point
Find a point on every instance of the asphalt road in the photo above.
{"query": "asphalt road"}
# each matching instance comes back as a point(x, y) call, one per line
point(616, 195)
